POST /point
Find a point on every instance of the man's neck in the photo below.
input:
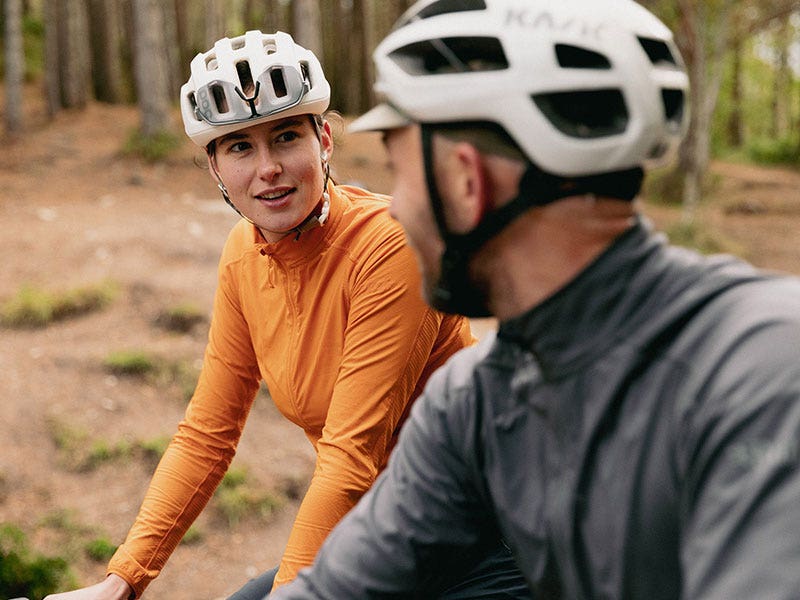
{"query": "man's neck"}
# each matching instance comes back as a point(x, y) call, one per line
point(545, 249)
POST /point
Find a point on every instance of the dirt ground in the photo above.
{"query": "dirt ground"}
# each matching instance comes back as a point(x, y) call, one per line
point(74, 211)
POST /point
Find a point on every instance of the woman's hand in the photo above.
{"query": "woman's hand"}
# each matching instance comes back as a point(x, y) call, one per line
point(112, 587)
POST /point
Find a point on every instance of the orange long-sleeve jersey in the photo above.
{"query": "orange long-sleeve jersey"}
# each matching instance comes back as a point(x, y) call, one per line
point(335, 325)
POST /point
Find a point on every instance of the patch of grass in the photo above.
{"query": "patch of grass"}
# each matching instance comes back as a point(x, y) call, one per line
point(78, 452)
point(701, 238)
point(153, 148)
point(234, 477)
point(184, 375)
point(67, 522)
point(35, 307)
point(153, 449)
point(156, 370)
point(180, 319)
point(77, 538)
point(100, 549)
point(237, 498)
point(193, 535)
point(131, 362)
point(664, 187)
point(774, 151)
point(26, 573)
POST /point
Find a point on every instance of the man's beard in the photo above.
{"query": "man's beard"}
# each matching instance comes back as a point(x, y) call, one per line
point(455, 291)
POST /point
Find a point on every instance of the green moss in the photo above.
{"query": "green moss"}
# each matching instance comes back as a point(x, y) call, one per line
point(35, 307)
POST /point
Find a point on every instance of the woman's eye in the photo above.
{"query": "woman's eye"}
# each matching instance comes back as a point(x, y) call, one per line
point(288, 136)
point(238, 147)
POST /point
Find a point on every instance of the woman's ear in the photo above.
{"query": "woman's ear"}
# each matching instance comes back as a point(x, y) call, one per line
point(326, 142)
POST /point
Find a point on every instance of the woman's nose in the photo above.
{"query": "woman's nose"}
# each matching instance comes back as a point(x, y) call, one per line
point(268, 165)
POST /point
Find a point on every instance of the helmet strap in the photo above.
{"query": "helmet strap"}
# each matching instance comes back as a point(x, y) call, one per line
point(321, 211)
point(223, 190)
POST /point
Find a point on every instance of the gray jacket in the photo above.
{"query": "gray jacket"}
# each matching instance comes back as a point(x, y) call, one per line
point(636, 435)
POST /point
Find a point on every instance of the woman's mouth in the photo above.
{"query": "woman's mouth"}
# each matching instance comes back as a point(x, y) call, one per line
point(274, 197)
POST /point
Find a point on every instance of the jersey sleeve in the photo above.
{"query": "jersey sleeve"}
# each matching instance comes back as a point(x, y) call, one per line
point(389, 338)
point(202, 448)
point(741, 531)
point(422, 512)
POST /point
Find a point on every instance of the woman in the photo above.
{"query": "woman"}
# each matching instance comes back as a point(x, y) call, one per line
point(318, 295)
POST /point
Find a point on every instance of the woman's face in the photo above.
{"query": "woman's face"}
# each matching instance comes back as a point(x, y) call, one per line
point(273, 171)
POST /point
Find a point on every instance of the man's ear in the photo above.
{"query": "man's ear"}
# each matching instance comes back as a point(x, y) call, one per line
point(472, 183)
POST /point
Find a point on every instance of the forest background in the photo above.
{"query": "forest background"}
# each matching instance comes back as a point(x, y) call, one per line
point(110, 235)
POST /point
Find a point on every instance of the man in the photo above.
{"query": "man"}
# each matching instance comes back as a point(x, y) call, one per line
point(632, 431)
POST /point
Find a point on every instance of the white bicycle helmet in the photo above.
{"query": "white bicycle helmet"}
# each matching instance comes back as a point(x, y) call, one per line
point(583, 87)
point(250, 79)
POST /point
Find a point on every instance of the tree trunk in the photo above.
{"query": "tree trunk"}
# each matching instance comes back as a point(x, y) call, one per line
point(215, 22)
point(356, 57)
point(74, 53)
point(783, 79)
point(278, 17)
point(52, 72)
point(735, 124)
point(175, 67)
point(14, 64)
point(306, 26)
point(106, 45)
point(704, 38)
point(151, 67)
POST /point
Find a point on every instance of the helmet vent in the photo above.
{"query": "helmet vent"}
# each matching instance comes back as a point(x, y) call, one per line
point(278, 83)
point(211, 62)
point(237, 43)
point(658, 52)
point(305, 72)
point(573, 57)
point(585, 114)
point(245, 77)
point(219, 98)
point(193, 104)
point(451, 55)
point(269, 46)
point(673, 105)
point(441, 7)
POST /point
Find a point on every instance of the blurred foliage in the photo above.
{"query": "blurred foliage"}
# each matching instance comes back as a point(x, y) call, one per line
point(24, 572)
point(701, 237)
point(131, 362)
point(100, 549)
point(32, 46)
point(156, 370)
point(237, 497)
point(35, 307)
point(181, 319)
point(152, 148)
point(78, 452)
point(775, 151)
point(762, 142)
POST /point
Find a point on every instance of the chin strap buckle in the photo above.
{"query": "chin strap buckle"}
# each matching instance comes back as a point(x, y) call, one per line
point(317, 218)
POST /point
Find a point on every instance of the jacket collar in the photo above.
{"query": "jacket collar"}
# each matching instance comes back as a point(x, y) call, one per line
point(583, 319)
point(637, 291)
